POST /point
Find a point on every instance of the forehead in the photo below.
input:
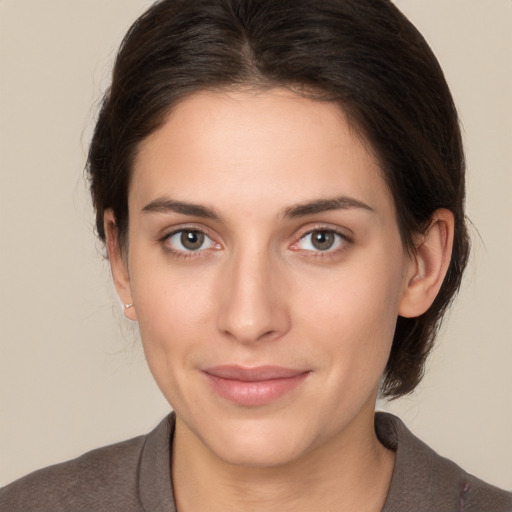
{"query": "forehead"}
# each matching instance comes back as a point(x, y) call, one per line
point(272, 146)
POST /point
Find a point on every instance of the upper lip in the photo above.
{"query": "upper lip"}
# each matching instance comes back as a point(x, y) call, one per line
point(253, 374)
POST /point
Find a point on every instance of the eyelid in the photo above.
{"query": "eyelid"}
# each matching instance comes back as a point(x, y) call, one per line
point(345, 234)
point(172, 230)
point(338, 232)
point(187, 253)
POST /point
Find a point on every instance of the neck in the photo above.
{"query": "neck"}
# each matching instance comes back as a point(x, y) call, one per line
point(351, 472)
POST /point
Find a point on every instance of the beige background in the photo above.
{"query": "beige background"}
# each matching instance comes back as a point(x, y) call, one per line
point(72, 374)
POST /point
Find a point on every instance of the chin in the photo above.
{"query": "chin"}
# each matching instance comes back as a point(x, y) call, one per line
point(269, 440)
point(259, 449)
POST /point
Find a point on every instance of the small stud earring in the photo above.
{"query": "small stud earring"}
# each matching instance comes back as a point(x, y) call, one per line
point(128, 306)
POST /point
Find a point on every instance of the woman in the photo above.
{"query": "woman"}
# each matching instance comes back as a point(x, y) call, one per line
point(280, 187)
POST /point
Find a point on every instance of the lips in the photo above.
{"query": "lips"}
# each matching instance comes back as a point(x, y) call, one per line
point(255, 386)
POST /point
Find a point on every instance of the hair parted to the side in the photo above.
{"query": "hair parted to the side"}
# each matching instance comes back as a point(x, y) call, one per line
point(362, 54)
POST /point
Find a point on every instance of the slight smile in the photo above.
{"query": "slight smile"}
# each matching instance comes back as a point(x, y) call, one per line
point(256, 386)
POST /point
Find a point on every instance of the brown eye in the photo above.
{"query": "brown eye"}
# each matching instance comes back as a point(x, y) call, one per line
point(322, 240)
point(189, 240)
point(192, 240)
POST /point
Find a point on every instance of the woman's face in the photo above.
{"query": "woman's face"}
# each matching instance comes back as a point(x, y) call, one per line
point(266, 271)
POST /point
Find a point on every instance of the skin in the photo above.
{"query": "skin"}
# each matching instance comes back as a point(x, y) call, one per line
point(259, 292)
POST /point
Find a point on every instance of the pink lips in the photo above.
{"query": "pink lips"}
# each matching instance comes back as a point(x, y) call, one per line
point(254, 386)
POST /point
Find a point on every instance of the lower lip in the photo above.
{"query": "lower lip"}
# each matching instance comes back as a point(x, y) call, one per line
point(254, 393)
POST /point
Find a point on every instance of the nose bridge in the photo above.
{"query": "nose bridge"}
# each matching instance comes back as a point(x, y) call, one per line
point(252, 307)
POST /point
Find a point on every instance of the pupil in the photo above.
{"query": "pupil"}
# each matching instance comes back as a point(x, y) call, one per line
point(323, 240)
point(192, 239)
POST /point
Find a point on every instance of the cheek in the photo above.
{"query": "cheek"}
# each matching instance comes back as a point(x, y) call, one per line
point(172, 313)
point(352, 314)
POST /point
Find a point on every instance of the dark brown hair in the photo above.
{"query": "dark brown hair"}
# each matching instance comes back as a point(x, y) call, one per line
point(362, 54)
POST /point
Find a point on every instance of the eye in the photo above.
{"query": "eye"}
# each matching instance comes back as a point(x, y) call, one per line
point(321, 240)
point(189, 240)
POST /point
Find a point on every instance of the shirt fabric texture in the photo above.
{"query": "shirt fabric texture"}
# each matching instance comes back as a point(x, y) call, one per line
point(135, 476)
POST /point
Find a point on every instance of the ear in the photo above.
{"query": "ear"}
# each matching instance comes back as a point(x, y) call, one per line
point(118, 265)
point(428, 265)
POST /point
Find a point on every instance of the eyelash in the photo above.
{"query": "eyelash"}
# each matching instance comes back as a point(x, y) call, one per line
point(184, 254)
point(342, 240)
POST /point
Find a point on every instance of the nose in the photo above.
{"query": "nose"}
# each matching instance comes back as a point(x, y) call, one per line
point(252, 303)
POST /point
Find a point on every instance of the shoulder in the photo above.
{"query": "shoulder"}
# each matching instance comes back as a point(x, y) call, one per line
point(423, 480)
point(107, 478)
point(107, 473)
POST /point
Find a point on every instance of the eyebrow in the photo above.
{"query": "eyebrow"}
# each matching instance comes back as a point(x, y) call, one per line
point(167, 205)
point(324, 205)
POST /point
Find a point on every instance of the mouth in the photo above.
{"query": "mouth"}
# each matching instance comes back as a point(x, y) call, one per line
point(255, 386)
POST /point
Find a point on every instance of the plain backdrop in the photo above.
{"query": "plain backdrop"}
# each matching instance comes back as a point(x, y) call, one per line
point(72, 373)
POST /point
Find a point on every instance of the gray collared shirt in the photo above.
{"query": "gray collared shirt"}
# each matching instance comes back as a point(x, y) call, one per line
point(134, 476)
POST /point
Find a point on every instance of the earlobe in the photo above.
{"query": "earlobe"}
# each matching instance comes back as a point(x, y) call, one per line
point(118, 265)
point(429, 265)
